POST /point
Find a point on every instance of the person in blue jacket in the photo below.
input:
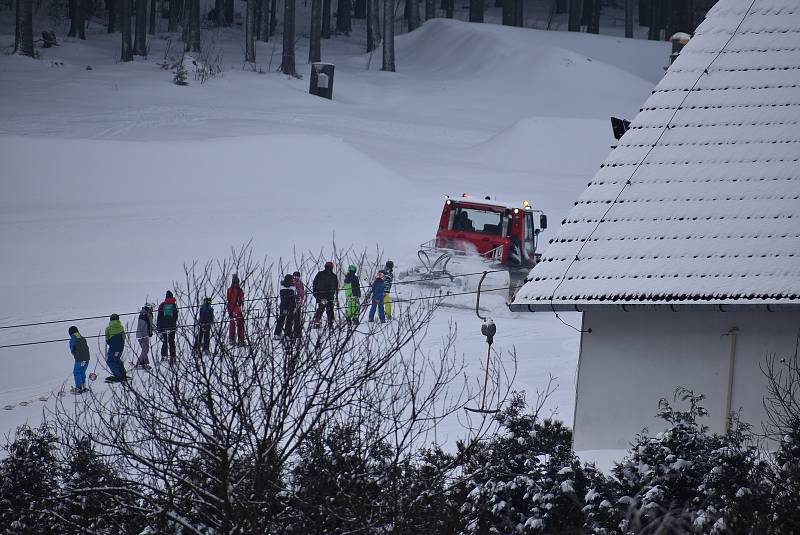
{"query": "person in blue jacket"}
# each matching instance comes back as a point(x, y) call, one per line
point(115, 340)
point(80, 352)
point(205, 319)
point(378, 290)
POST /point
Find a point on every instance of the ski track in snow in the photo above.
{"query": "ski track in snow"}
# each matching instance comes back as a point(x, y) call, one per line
point(96, 215)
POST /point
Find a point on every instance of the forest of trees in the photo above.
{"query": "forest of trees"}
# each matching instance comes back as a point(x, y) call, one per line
point(135, 20)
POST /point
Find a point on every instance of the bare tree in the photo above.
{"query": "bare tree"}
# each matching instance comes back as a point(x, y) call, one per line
point(229, 12)
point(412, 10)
point(325, 31)
point(273, 22)
point(23, 37)
point(264, 20)
point(174, 14)
point(476, 10)
point(194, 25)
point(113, 15)
point(388, 36)
point(154, 7)
point(629, 18)
point(314, 44)
point(287, 61)
point(373, 25)
point(124, 8)
point(343, 20)
point(140, 33)
point(202, 443)
point(430, 9)
point(77, 23)
point(575, 11)
point(250, 32)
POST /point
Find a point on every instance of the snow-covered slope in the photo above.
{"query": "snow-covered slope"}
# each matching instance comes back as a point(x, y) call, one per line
point(114, 177)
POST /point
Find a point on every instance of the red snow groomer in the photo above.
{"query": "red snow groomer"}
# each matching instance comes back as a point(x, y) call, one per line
point(502, 235)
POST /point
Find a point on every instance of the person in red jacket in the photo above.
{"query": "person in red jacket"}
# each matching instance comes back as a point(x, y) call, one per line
point(235, 304)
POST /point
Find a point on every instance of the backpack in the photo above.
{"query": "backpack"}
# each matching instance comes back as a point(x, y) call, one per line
point(168, 311)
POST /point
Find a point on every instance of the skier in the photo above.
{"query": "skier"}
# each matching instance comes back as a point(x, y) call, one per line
point(144, 330)
point(235, 303)
point(325, 288)
point(205, 319)
point(388, 279)
point(80, 352)
point(378, 291)
point(166, 323)
point(115, 340)
point(300, 298)
point(287, 308)
point(352, 292)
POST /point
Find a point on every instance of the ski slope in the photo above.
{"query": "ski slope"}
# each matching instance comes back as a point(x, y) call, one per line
point(114, 177)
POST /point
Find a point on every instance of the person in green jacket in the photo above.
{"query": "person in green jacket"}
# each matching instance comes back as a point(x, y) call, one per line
point(352, 293)
point(115, 340)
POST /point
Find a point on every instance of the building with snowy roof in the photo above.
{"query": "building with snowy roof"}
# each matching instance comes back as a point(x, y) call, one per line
point(683, 254)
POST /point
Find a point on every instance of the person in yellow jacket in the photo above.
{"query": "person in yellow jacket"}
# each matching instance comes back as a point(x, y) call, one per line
point(115, 340)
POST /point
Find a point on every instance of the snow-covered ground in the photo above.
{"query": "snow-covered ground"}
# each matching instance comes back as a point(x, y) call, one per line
point(114, 177)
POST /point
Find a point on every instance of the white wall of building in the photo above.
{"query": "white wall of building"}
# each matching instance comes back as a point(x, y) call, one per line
point(630, 360)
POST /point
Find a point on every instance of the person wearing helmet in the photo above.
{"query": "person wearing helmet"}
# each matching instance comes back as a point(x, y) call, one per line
point(115, 340)
point(388, 279)
point(378, 291)
point(80, 352)
point(144, 330)
point(352, 292)
point(286, 308)
point(235, 303)
point(324, 288)
point(205, 319)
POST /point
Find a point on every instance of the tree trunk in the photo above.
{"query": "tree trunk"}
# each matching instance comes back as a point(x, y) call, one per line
point(273, 21)
point(250, 32)
point(519, 14)
point(172, 25)
point(430, 9)
point(124, 9)
point(476, 10)
point(77, 25)
point(287, 61)
point(413, 14)
point(373, 25)
point(326, 19)
point(195, 33)
point(593, 25)
point(360, 9)
point(388, 36)
point(111, 7)
point(23, 34)
point(629, 18)
point(229, 14)
point(575, 8)
point(343, 23)
point(654, 31)
point(153, 11)
point(263, 34)
point(140, 37)
point(451, 4)
point(508, 12)
point(314, 45)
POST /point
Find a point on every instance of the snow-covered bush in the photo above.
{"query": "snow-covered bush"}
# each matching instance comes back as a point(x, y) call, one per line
point(686, 479)
point(29, 481)
point(526, 479)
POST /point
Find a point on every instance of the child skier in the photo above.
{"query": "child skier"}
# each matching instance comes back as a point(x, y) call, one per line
point(378, 290)
point(166, 323)
point(80, 352)
point(144, 330)
point(352, 292)
point(287, 308)
point(235, 303)
point(388, 278)
point(205, 319)
point(115, 340)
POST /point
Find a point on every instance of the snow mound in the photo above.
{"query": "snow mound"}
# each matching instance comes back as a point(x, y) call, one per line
point(548, 146)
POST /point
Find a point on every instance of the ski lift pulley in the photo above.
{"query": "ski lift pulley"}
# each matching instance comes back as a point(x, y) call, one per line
point(488, 329)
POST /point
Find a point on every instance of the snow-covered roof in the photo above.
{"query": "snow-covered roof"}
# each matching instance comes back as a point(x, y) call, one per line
point(700, 201)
